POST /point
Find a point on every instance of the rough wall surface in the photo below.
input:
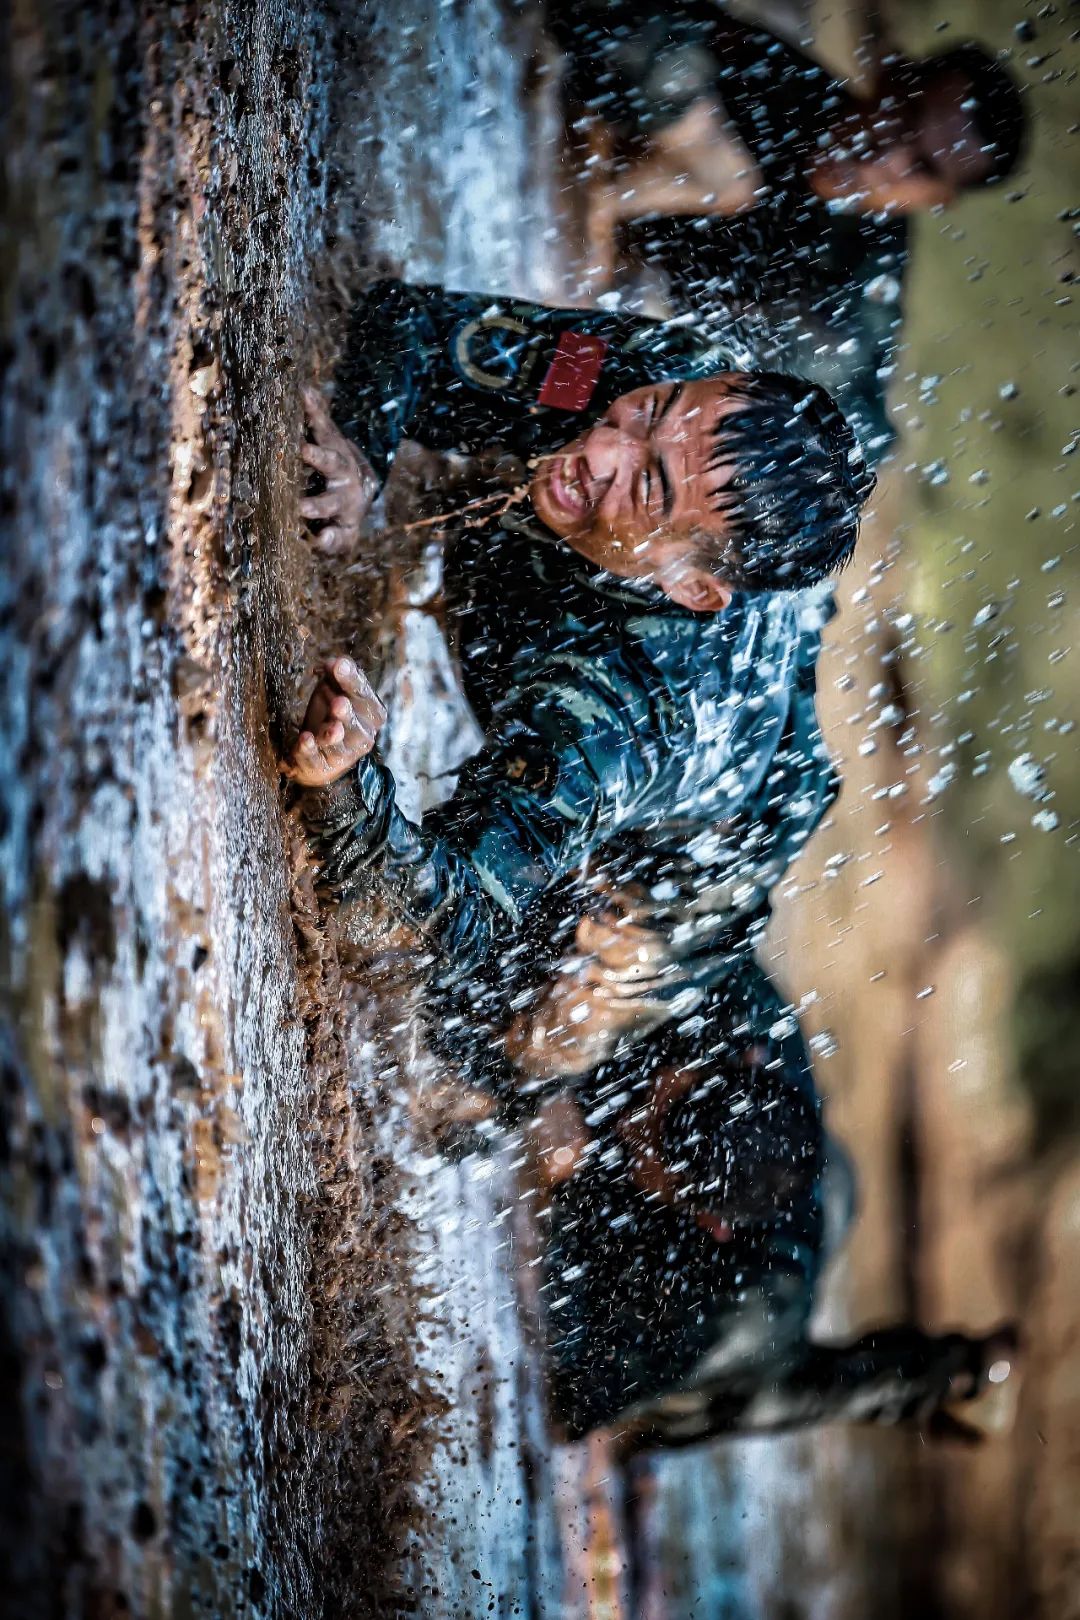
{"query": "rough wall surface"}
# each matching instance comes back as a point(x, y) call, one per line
point(186, 1180)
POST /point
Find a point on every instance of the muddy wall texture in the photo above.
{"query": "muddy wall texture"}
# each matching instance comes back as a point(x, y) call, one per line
point(194, 1230)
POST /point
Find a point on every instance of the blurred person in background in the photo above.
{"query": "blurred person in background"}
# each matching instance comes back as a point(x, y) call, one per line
point(756, 182)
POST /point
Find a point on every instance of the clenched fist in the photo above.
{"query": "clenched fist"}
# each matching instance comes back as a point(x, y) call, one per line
point(342, 721)
point(351, 484)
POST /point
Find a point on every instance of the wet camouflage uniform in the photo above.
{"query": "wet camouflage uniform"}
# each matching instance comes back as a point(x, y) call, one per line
point(816, 291)
point(688, 1320)
point(679, 754)
point(631, 1316)
point(615, 720)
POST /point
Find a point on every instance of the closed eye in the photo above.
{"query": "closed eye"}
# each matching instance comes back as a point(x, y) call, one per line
point(674, 393)
point(659, 404)
point(668, 494)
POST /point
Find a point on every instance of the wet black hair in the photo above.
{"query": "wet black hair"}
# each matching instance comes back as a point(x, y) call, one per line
point(998, 111)
point(800, 481)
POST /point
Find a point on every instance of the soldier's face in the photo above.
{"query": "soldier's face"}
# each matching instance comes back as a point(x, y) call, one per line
point(914, 149)
point(637, 493)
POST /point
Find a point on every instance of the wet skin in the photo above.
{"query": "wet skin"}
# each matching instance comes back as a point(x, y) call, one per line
point(636, 492)
point(910, 148)
point(351, 484)
point(633, 494)
point(343, 719)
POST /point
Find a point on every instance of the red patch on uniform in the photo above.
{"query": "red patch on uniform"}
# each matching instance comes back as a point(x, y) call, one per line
point(715, 1225)
point(574, 372)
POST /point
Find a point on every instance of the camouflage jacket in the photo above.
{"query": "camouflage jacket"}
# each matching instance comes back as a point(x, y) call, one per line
point(609, 712)
point(738, 1298)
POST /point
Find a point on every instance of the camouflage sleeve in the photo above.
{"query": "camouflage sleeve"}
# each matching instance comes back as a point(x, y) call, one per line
point(563, 766)
point(643, 65)
point(447, 368)
point(803, 782)
point(461, 371)
point(380, 384)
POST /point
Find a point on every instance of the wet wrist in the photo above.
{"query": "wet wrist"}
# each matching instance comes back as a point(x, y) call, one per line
point(351, 797)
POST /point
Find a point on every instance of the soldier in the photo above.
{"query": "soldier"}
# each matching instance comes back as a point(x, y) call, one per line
point(688, 1318)
point(666, 738)
point(690, 1203)
point(706, 117)
point(630, 635)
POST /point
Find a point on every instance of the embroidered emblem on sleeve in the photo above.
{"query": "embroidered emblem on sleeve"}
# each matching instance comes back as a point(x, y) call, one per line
point(496, 352)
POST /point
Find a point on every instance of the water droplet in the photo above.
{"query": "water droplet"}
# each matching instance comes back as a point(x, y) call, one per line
point(941, 780)
point(1027, 776)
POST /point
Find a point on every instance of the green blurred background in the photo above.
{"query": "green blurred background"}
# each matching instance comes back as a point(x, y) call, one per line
point(986, 397)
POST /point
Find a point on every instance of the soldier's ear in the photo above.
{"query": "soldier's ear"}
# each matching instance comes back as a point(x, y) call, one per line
point(695, 588)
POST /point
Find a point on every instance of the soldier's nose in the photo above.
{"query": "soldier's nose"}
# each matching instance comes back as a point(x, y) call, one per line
point(603, 449)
